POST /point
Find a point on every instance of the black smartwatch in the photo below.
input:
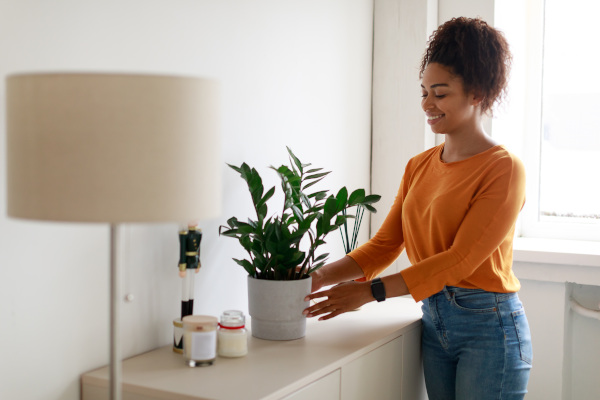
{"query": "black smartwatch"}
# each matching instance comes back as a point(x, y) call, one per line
point(378, 289)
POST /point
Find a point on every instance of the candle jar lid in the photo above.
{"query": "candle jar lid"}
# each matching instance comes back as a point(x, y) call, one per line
point(232, 319)
point(199, 322)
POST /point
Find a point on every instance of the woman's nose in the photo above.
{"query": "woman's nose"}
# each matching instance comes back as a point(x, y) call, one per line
point(426, 103)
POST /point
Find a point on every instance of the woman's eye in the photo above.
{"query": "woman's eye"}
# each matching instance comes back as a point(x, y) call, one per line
point(437, 96)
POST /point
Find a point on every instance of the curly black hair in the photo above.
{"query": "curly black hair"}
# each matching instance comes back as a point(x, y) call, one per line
point(474, 51)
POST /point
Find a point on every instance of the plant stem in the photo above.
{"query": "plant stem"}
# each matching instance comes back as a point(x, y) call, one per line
point(359, 214)
point(344, 243)
point(346, 228)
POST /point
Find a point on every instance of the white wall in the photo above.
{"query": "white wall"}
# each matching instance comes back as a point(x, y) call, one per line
point(294, 73)
point(582, 345)
point(401, 29)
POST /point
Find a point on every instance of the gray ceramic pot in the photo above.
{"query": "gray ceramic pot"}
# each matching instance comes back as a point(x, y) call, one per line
point(276, 308)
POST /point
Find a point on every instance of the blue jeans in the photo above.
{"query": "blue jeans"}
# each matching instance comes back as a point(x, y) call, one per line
point(476, 345)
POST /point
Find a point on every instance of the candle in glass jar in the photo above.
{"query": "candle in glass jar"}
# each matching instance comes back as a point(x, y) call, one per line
point(232, 337)
point(199, 340)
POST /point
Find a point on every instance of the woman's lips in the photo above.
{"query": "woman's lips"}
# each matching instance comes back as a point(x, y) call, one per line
point(433, 119)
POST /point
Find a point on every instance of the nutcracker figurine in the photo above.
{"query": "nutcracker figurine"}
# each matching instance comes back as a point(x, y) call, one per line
point(189, 259)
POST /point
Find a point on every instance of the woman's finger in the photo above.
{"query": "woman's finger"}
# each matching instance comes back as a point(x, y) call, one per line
point(316, 295)
point(331, 315)
point(320, 308)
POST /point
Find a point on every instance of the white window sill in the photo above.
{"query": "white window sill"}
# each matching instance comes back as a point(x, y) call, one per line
point(553, 251)
point(552, 260)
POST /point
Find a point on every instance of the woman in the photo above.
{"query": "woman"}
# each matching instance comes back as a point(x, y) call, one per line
point(455, 214)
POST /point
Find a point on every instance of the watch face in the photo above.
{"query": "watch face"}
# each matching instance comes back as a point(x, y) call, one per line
point(378, 289)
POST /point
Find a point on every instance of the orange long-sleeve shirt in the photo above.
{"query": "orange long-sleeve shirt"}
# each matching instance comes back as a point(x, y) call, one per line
point(456, 221)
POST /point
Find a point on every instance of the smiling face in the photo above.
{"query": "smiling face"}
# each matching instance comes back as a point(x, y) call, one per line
point(448, 108)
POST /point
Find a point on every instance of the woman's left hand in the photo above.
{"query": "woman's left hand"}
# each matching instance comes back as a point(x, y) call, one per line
point(344, 297)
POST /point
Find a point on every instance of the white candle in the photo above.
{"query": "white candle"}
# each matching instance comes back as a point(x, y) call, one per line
point(232, 338)
point(199, 340)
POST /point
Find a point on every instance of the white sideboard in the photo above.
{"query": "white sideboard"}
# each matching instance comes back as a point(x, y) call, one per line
point(372, 353)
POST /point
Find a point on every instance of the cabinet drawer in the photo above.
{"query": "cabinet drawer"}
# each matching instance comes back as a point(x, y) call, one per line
point(326, 388)
point(377, 375)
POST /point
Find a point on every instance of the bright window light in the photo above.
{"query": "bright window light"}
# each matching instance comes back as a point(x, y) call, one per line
point(570, 140)
point(552, 117)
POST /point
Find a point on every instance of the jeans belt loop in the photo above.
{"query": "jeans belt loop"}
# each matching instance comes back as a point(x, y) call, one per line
point(447, 293)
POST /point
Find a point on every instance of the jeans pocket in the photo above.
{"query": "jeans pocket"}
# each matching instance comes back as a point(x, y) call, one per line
point(475, 303)
point(523, 335)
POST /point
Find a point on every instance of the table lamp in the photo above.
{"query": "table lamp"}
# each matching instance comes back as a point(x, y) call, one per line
point(112, 148)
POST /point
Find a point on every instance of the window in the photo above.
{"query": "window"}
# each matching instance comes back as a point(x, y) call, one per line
point(552, 118)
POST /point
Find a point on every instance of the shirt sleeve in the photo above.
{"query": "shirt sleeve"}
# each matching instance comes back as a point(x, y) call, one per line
point(383, 249)
point(488, 223)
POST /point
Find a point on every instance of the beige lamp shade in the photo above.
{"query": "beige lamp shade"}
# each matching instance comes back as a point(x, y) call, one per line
point(112, 148)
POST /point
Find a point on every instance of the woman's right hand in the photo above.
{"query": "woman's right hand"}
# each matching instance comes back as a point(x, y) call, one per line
point(342, 270)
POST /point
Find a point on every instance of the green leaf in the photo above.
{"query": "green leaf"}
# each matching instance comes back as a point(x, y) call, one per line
point(232, 221)
point(305, 200)
point(330, 208)
point(358, 196)
point(331, 228)
point(312, 171)
point(315, 176)
point(340, 219)
point(318, 196)
point(237, 169)
point(341, 199)
point(312, 183)
point(245, 172)
point(309, 219)
point(262, 211)
point(295, 259)
point(256, 187)
point(229, 232)
point(370, 208)
point(245, 228)
point(321, 257)
point(323, 226)
point(247, 266)
point(298, 213)
point(288, 177)
point(296, 160)
point(266, 197)
point(260, 260)
point(371, 199)
point(246, 243)
point(314, 210)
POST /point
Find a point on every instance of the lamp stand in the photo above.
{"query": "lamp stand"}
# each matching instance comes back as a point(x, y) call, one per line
point(115, 344)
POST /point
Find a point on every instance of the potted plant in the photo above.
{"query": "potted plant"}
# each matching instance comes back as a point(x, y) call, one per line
point(282, 248)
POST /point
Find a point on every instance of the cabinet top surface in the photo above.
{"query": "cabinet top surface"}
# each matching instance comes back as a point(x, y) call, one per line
point(271, 369)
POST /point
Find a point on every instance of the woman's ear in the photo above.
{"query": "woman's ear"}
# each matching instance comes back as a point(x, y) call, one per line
point(476, 98)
